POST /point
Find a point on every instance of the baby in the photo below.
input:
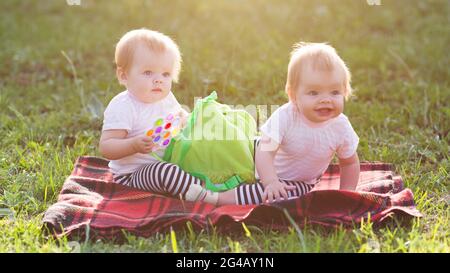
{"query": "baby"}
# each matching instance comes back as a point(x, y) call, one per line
point(301, 137)
point(146, 64)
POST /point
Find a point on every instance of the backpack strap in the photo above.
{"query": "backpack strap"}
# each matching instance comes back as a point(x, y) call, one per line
point(231, 183)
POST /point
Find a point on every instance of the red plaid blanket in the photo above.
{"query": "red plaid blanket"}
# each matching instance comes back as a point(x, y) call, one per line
point(90, 202)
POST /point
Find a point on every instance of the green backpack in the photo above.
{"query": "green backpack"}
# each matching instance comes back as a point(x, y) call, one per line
point(217, 145)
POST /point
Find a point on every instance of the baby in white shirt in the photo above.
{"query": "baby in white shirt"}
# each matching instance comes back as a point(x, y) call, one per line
point(147, 62)
point(301, 137)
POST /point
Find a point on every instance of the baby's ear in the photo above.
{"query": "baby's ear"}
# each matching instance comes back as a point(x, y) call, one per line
point(121, 76)
point(288, 91)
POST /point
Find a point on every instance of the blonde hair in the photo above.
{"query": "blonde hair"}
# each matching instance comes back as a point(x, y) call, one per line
point(155, 41)
point(320, 56)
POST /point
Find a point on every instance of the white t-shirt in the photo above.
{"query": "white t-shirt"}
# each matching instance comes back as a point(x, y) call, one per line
point(306, 148)
point(126, 112)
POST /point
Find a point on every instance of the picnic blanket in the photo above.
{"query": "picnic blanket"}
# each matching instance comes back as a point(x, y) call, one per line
point(91, 204)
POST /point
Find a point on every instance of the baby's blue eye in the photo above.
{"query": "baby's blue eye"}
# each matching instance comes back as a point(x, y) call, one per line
point(336, 92)
point(312, 93)
point(166, 74)
point(147, 73)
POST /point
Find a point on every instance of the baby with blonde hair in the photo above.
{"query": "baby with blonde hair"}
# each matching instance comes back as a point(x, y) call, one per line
point(300, 138)
point(147, 62)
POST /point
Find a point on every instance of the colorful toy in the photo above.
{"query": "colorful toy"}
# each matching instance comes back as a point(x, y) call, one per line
point(164, 130)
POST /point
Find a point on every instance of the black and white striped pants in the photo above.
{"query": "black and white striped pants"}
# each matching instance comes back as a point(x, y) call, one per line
point(170, 180)
point(160, 178)
point(251, 194)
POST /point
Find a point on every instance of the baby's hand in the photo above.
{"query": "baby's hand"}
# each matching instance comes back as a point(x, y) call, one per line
point(275, 190)
point(142, 144)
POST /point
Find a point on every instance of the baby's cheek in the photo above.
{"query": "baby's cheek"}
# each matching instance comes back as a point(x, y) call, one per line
point(168, 85)
point(339, 104)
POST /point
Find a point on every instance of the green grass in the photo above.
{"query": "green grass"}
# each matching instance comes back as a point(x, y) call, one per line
point(397, 52)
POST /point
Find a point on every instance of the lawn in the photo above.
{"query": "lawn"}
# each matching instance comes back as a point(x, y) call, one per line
point(57, 75)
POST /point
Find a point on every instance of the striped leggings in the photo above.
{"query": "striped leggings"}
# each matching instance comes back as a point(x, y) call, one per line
point(160, 178)
point(251, 194)
point(170, 180)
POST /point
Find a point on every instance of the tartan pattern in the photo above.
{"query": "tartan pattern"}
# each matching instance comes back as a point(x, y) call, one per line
point(91, 203)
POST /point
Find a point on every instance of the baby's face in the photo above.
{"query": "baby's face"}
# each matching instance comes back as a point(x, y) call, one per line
point(150, 75)
point(320, 95)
